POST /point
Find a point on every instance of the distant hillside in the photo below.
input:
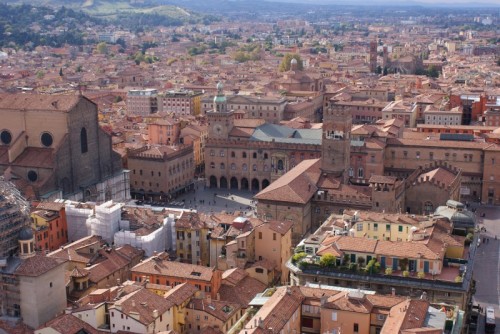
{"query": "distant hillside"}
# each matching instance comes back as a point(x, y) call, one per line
point(128, 12)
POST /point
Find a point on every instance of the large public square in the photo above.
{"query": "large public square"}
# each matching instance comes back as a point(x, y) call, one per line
point(207, 200)
point(487, 264)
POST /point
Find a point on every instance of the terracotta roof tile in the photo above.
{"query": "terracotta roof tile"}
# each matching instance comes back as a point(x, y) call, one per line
point(143, 302)
point(277, 311)
point(220, 309)
point(180, 293)
point(160, 265)
point(39, 102)
point(69, 324)
point(296, 186)
point(37, 265)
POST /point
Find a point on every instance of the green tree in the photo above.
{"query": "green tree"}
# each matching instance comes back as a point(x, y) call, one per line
point(285, 63)
point(297, 257)
point(102, 48)
point(40, 74)
point(433, 72)
point(327, 260)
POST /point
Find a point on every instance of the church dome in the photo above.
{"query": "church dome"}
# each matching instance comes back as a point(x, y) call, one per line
point(26, 234)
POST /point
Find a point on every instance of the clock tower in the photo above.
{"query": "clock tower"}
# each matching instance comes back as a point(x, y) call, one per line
point(220, 119)
point(336, 143)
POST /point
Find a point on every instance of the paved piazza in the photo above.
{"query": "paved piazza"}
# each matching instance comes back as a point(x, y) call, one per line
point(206, 200)
point(487, 264)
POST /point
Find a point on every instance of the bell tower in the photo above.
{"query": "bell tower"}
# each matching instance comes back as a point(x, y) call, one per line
point(373, 55)
point(336, 142)
point(220, 119)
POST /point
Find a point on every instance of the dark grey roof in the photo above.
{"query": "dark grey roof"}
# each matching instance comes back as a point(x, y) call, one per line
point(283, 134)
point(459, 218)
point(26, 234)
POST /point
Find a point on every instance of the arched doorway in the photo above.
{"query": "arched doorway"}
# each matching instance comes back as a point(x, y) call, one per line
point(244, 184)
point(223, 182)
point(265, 183)
point(280, 165)
point(213, 182)
point(255, 185)
point(234, 183)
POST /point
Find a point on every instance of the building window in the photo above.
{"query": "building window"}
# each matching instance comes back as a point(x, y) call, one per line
point(405, 154)
point(274, 236)
point(356, 328)
point(32, 176)
point(260, 235)
point(359, 227)
point(431, 155)
point(254, 155)
point(5, 137)
point(244, 154)
point(375, 227)
point(400, 228)
point(212, 153)
point(280, 165)
point(265, 156)
point(360, 173)
point(222, 166)
point(50, 284)
point(244, 167)
point(222, 153)
point(233, 155)
point(428, 208)
point(83, 140)
point(388, 227)
point(212, 165)
point(417, 155)
point(351, 172)
point(233, 166)
point(46, 139)
point(334, 316)
point(254, 168)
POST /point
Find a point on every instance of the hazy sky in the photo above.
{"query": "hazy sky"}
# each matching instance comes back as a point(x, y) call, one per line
point(401, 2)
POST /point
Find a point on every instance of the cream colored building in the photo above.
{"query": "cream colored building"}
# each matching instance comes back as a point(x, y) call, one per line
point(273, 241)
point(42, 285)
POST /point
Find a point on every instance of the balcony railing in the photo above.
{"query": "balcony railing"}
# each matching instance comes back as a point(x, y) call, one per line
point(345, 274)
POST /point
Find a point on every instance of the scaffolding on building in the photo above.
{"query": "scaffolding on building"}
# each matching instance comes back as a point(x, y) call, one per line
point(14, 216)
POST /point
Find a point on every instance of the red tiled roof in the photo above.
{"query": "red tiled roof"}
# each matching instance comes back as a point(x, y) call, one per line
point(37, 265)
point(180, 293)
point(36, 102)
point(296, 186)
point(69, 324)
point(157, 265)
point(143, 302)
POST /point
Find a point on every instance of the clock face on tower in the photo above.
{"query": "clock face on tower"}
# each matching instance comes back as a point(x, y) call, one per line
point(217, 129)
